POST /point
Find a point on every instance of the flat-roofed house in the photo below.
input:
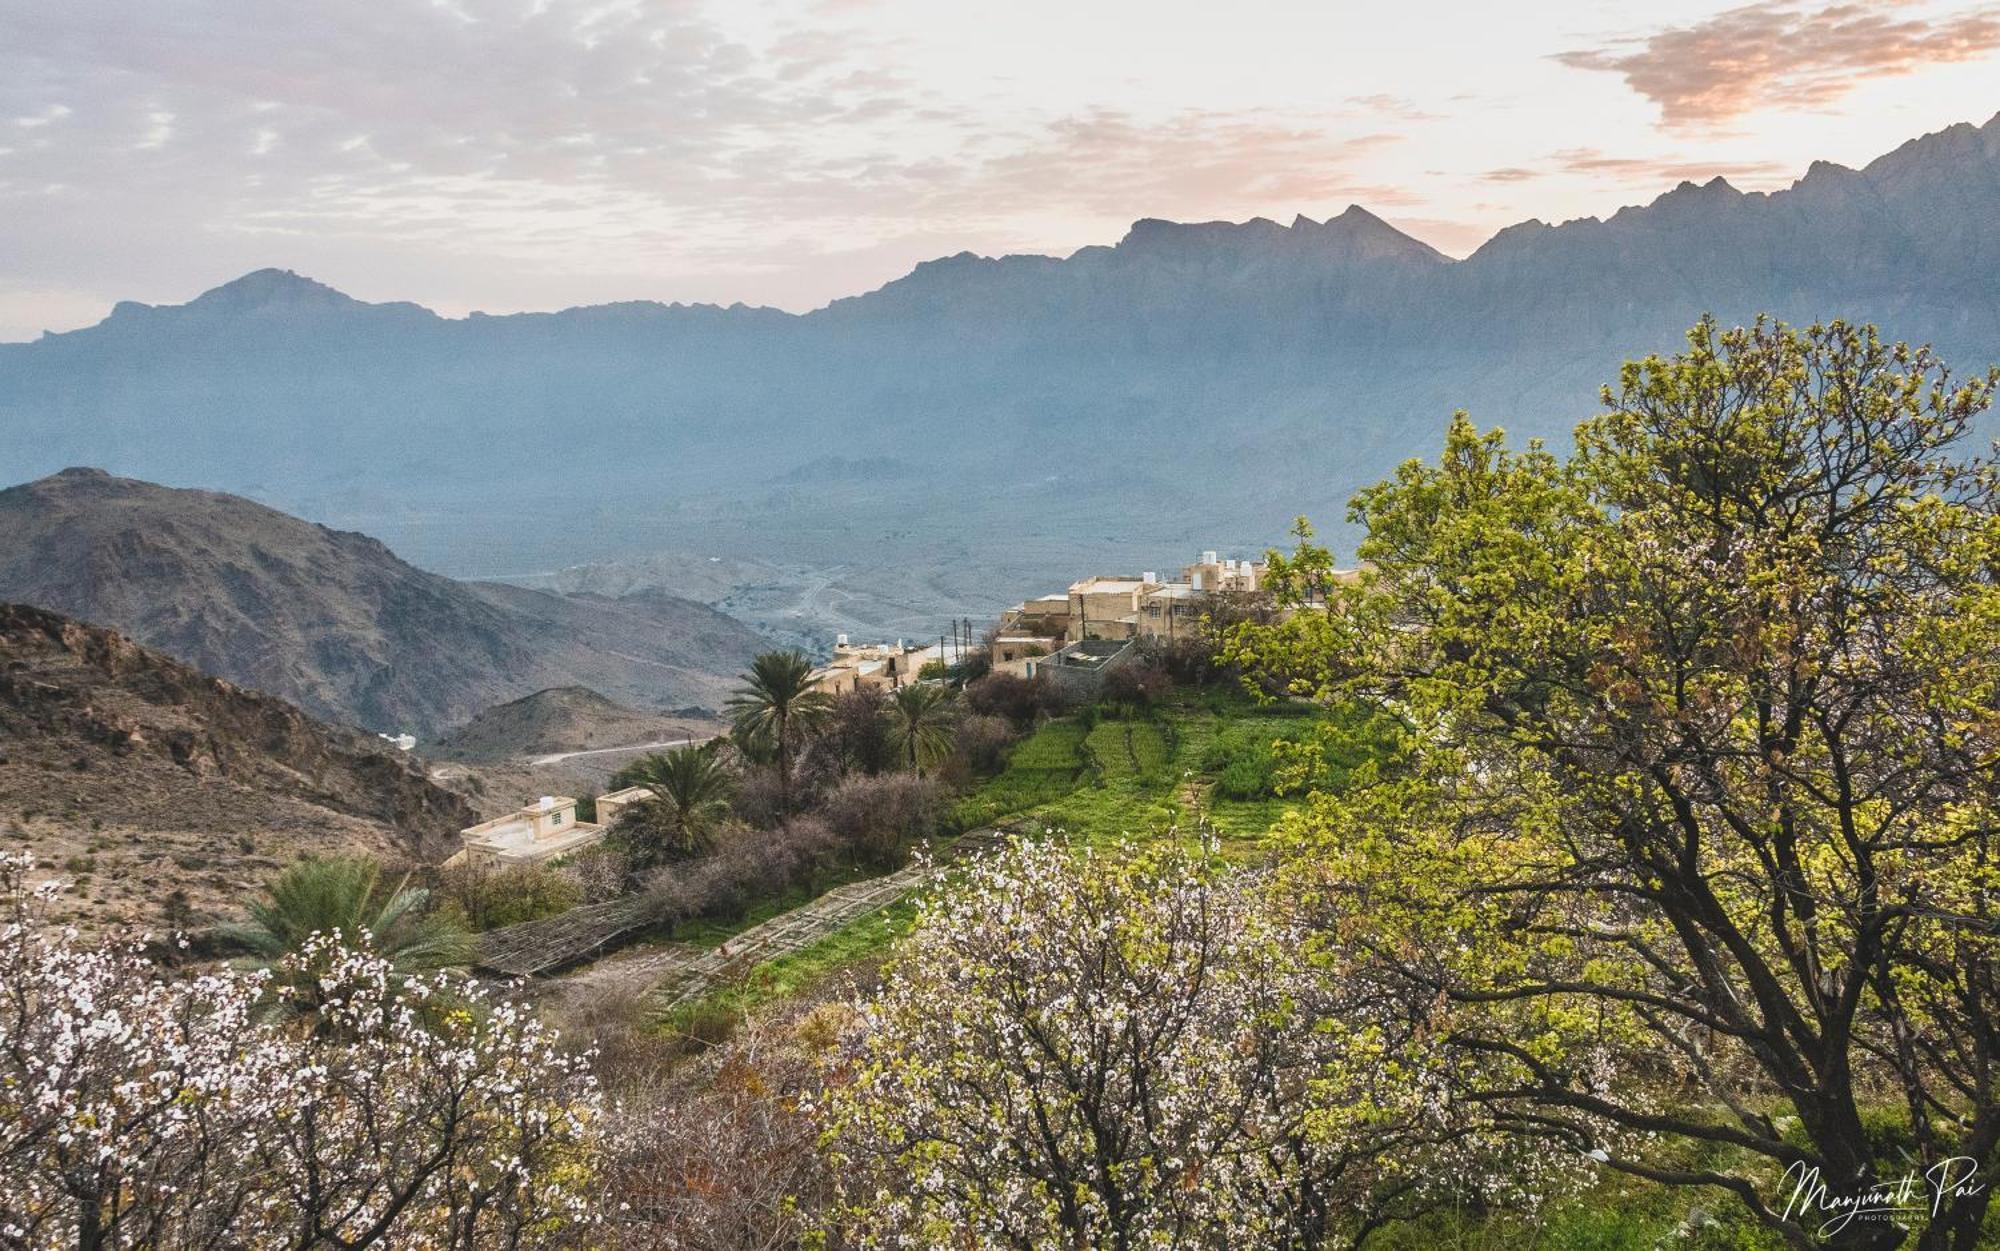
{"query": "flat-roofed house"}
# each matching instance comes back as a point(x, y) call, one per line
point(1045, 615)
point(1212, 574)
point(539, 832)
point(614, 803)
point(1107, 607)
point(1015, 653)
point(883, 665)
point(1173, 611)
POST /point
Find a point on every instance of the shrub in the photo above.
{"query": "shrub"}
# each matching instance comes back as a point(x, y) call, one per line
point(878, 818)
point(855, 736)
point(1137, 686)
point(719, 1153)
point(762, 798)
point(981, 742)
point(975, 666)
point(746, 866)
point(1077, 1052)
point(487, 898)
point(1018, 699)
point(600, 872)
point(1244, 762)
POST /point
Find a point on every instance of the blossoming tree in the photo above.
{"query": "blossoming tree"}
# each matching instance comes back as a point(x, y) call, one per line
point(1080, 1051)
point(139, 1108)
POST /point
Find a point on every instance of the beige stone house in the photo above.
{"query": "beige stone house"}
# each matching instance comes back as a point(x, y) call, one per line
point(539, 832)
point(882, 665)
point(1015, 653)
point(1107, 607)
point(1045, 616)
point(542, 831)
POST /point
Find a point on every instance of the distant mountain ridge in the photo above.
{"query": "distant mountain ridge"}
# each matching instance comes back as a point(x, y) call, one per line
point(333, 620)
point(1197, 384)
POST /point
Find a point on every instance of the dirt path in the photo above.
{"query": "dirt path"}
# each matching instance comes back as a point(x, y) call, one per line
point(680, 972)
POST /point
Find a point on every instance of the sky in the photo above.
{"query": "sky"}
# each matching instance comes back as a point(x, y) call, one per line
point(533, 154)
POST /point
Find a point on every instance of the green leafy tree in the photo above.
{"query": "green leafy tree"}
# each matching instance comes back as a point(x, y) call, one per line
point(777, 705)
point(352, 897)
point(920, 718)
point(1691, 855)
point(691, 786)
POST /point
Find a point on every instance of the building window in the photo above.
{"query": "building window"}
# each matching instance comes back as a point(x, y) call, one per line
point(555, 818)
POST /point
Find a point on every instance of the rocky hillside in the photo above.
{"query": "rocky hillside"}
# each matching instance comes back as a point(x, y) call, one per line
point(562, 721)
point(167, 793)
point(332, 620)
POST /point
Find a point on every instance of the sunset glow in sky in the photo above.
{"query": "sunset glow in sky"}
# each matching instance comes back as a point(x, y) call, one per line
point(514, 154)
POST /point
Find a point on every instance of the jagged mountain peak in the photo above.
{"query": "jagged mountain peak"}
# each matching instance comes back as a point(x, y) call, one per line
point(1353, 234)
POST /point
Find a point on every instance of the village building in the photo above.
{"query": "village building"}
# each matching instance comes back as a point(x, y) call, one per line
point(1078, 668)
point(1213, 575)
point(1107, 607)
point(542, 831)
point(1045, 617)
point(612, 805)
point(1170, 612)
point(539, 832)
point(1119, 607)
point(884, 666)
point(1016, 653)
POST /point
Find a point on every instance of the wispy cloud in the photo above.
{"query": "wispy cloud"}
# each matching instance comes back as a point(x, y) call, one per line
point(1654, 171)
point(1785, 56)
point(565, 134)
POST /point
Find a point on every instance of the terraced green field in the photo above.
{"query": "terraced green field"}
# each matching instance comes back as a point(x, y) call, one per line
point(1138, 777)
point(1101, 781)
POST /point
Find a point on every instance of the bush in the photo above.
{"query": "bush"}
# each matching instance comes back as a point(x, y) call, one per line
point(981, 742)
point(1245, 762)
point(760, 798)
point(855, 736)
point(747, 866)
point(486, 898)
point(878, 818)
point(174, 1112)
point(599, 872)
point(1137, 686)
point(975, 666)
point(1018, 699)
point(720, 1152)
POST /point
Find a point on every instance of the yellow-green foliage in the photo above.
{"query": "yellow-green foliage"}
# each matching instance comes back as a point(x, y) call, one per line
point(1699, 730)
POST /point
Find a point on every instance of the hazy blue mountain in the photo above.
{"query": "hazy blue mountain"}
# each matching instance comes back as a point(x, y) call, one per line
point(331, 620)
point(1193, 385)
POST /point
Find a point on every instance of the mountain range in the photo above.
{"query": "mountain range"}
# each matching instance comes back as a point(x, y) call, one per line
point(333, 621)
point(1193, 385)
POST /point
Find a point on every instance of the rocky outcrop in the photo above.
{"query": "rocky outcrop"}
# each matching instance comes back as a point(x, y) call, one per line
point(99, 704)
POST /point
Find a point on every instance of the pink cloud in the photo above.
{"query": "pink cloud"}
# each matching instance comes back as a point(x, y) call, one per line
point(1784, 56)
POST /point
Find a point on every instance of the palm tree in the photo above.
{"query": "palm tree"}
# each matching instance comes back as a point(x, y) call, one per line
point(920, 717)
point(349, 894)
point(691, 788)
point(778, 702)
